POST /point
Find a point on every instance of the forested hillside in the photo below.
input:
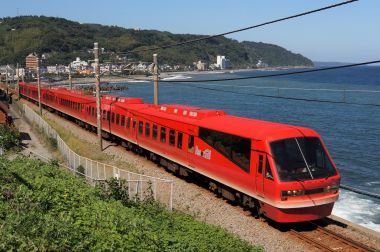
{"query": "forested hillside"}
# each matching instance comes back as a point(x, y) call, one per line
point(64, 40)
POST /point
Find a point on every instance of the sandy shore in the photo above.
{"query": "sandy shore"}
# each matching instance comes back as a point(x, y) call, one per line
point(165, 75)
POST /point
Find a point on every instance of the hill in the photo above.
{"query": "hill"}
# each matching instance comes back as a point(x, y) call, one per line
point(64, 40)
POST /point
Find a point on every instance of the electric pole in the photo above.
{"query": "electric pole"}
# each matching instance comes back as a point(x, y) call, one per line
point(97, 87)
point(39, 86)
point(70, 79)
point(155, 78)
point(18, 82)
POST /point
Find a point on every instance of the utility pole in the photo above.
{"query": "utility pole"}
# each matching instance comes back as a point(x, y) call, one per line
point(18, 82)
point(39, 86)
point(155, 78)
point(97, 87)
point(6, 78)
point(70, 79)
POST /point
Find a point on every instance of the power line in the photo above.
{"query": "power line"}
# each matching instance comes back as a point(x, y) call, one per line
point(280, 97)
point(243, 29)
point(277, 74)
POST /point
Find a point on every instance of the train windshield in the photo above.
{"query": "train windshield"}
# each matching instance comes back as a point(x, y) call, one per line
point(301, 158)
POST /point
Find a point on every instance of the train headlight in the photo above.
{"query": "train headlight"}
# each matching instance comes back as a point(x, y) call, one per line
point(334, 188)
point(290, 193)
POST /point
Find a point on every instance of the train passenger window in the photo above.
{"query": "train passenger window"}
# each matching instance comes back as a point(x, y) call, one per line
point(154, 133)
point(117, 119)
point(179, 140)
point(268, 171)
point(141, 124)
point(172, 137)
point(104, 115)
point(190, 146)
point(260, 165)
point(108, 115)
point(122, 121)
point(134, 124)
point(236, 148)
point(128, 122)
point(163, 135)
point(113, 117)
point(93, 111)
point(147, 129)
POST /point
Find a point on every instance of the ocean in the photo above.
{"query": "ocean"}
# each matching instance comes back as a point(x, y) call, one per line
point(351, 131)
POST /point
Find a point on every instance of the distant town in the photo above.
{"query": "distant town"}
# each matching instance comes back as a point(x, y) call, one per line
point(82, 68)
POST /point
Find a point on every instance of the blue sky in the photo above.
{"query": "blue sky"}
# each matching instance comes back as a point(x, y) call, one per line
point(348, 34)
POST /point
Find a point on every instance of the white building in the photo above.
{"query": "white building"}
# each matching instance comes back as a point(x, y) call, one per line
point(78, 64)
point(222, 62)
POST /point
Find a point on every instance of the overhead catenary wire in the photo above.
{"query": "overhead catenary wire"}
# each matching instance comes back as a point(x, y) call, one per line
point(279, 96)
point(242, 29)
point(278, 74)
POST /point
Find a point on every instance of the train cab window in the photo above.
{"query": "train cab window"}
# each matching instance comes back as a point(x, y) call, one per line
point(117, 119)
point(154, 133)
point(172, 137)
point(128, 122)
point(179, 140)
point(260, 165)
point(108, 115)
point(190, 145)
point(147, 129)
point(268, 171)
point(141, 125)
point(112, 117)
point(122, 121)
point(134, 124)
point(163, 135)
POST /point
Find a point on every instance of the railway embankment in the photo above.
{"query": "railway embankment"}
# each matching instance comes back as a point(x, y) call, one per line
point(201, 203)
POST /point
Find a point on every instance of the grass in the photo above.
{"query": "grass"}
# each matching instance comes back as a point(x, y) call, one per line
point(45, 208)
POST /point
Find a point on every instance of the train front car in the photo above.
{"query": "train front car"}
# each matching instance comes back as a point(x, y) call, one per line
point(306, 178)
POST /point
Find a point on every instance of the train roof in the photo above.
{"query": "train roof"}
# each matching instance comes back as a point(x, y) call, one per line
point(208, 118)
point(218, 120)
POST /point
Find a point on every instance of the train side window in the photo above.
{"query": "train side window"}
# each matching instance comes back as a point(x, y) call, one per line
point(104, 115)
point(172, 137)
point(134, 123)
point(122, 120)
point(147, 129)
point(141, 124)
point(117, 119)
point(260, 167)
point(179, 140)
point(112, 117)
point(128, 122)
point(93, 111)
point(268, 171)
point(108, 115)
point(154, 133)
point(191, 144)
point(163, 135)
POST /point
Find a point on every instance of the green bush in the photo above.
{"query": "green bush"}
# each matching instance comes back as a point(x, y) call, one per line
point(45, 208)
point(9, 137)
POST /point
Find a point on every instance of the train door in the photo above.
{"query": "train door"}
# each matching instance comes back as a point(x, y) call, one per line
point(260, 174)
point(134, 129)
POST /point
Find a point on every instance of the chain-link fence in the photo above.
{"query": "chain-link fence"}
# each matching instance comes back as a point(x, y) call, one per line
point(139, 186)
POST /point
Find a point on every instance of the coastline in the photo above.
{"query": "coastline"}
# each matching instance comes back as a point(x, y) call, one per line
point(164, 75)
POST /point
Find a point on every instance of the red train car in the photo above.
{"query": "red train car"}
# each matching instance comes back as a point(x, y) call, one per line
point(283, 171)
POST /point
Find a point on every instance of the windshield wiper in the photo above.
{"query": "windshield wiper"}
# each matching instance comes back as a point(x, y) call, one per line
point(304, 159)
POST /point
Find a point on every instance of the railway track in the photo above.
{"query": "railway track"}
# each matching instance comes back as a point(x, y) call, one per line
point(327, 240)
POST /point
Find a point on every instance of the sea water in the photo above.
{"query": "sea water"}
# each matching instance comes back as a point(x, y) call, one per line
point(350, 131)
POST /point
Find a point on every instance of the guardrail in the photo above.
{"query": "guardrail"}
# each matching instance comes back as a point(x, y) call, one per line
point(139, 186)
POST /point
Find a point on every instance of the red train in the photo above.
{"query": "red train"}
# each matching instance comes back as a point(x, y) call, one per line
point(283, 171)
